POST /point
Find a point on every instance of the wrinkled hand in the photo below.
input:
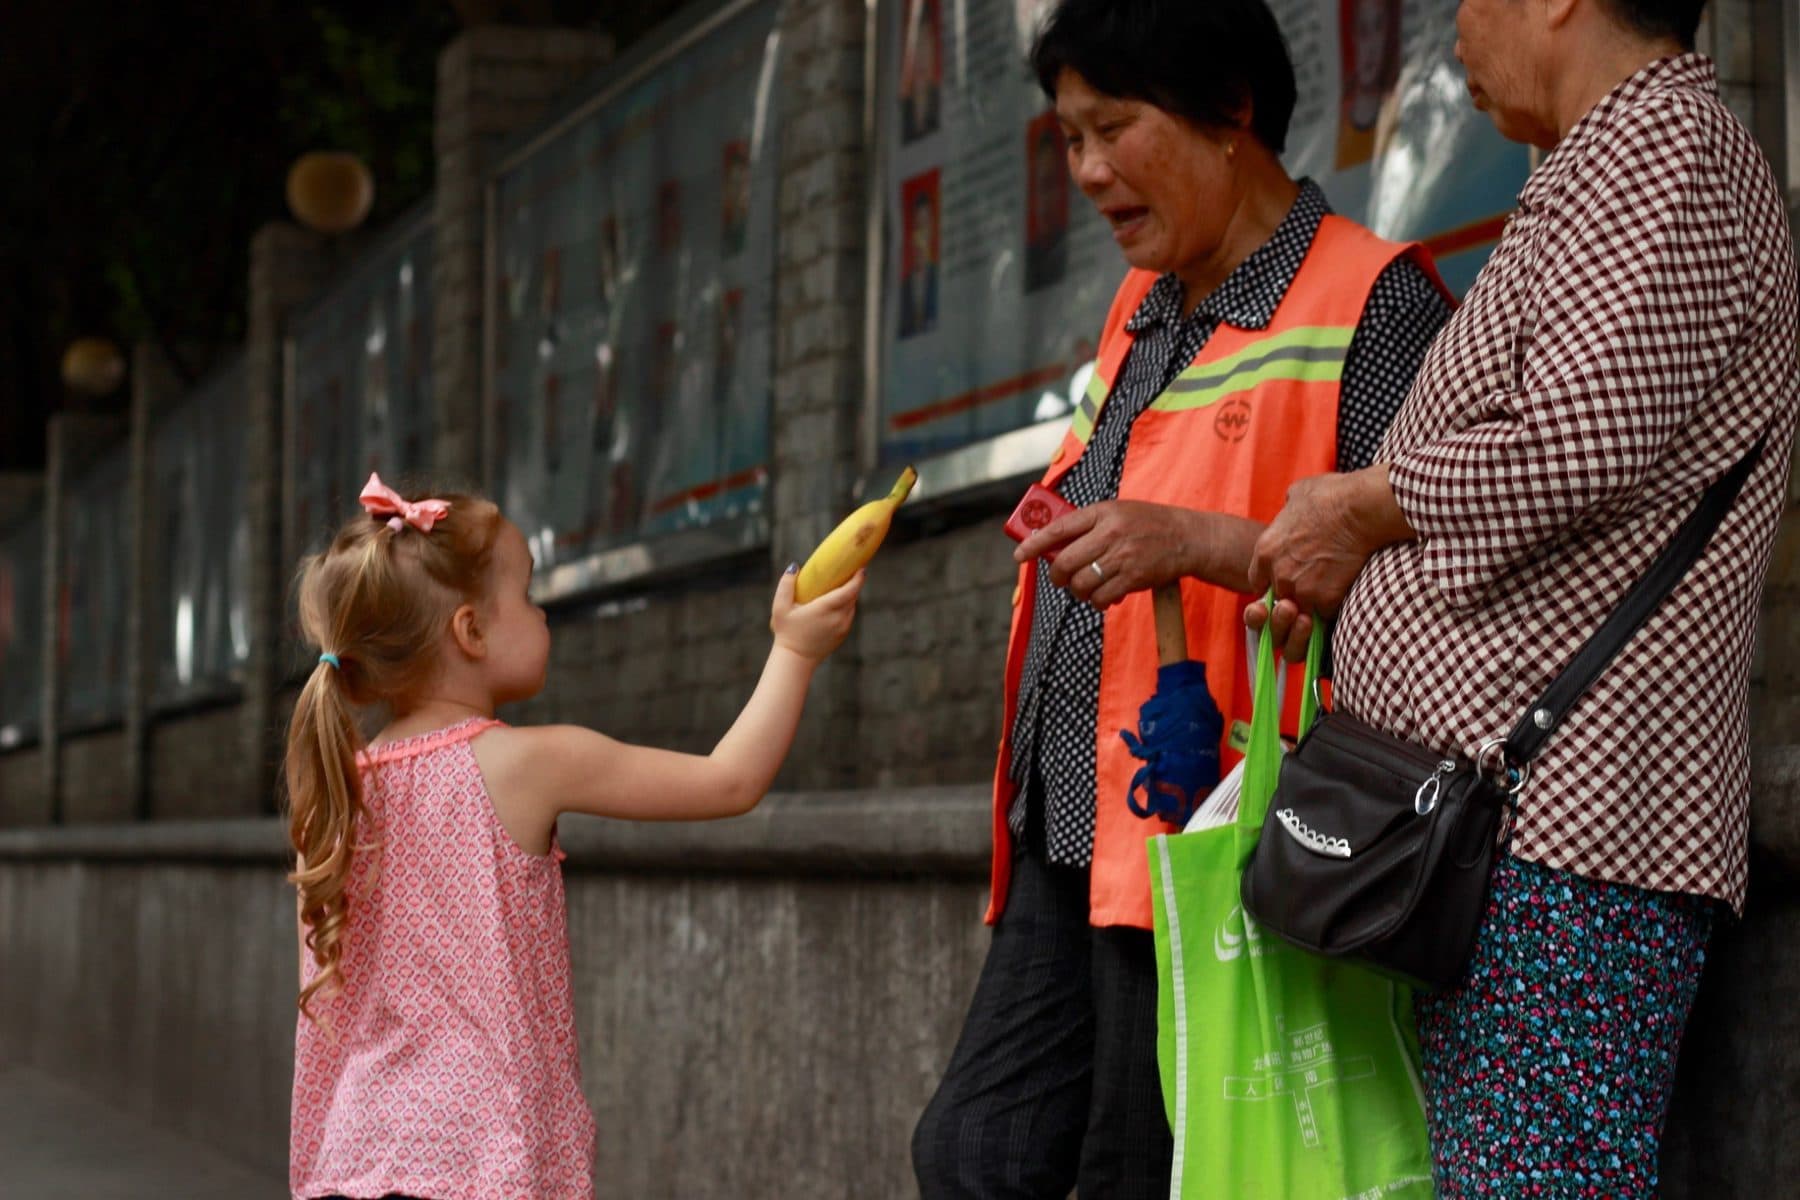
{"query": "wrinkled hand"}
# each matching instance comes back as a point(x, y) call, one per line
point(1138, 545)
point(1312, 551)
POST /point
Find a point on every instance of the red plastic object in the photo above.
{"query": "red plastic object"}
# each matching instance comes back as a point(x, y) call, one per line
point(1039, 507)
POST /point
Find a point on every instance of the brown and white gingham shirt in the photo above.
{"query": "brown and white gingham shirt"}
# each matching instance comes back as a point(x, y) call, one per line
point(1632, 336)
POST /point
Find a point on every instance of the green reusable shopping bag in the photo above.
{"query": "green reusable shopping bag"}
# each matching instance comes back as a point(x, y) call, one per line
point(1286, 1076)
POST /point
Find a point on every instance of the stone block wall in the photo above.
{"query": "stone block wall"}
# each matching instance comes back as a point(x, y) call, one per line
point(819, 300)
point(95, 778)
point(913, 698)
point(23, 800)
point(932, 638)
point(196, 766)
point(670, 668)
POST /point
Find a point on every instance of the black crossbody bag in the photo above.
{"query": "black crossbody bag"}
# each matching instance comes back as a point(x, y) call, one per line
point(1379, 850)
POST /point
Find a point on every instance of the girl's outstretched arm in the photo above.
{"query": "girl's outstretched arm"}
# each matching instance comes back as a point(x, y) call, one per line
point(540, 772)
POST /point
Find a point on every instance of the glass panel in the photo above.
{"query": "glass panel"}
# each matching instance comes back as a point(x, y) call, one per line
point(634, 302)
point(361, 388)
point(199, 531)
point(998, 273)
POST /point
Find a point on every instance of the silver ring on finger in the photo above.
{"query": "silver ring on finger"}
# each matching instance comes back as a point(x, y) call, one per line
point(1095, 568)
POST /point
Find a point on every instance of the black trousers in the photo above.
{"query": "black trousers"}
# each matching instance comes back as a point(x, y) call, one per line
point(1053, 1083)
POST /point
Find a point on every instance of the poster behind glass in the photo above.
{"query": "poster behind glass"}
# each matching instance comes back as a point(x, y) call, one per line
point(21, 630)
point(93, 587)
point(998, 272)
point(633, 347)
point(361, 389)
point(199, 531)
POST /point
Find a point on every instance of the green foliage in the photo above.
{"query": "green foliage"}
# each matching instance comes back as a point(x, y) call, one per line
point(146, 143)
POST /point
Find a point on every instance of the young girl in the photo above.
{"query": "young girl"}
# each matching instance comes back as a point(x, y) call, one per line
point(436, 1054)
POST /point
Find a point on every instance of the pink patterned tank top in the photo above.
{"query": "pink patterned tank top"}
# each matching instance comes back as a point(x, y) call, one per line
point(450, 1068)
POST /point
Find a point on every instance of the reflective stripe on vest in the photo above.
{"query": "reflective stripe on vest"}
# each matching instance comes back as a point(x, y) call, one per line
point(1313, 354)
point(1088, 411)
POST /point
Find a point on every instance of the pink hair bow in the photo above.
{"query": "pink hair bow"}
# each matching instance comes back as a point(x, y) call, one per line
point(383, 501)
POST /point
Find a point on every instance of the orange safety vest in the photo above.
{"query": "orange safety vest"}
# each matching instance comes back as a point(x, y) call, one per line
point(1254, 412)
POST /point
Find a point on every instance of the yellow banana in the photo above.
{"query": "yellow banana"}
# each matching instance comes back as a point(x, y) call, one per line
point(852, 544)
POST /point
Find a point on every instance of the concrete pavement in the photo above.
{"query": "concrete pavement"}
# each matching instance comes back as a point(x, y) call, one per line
point(57, 1143)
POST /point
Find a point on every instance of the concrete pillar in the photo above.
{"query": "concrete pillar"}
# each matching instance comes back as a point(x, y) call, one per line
point(288, 265)
point(820, 282)
point(492, 81)
point(73, 440)
point(154, 390)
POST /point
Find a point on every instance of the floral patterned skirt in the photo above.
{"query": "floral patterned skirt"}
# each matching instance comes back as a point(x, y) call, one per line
point(1548, 1070)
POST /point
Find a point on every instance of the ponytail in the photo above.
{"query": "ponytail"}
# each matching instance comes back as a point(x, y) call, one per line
point(325, 810)
point(375, 602)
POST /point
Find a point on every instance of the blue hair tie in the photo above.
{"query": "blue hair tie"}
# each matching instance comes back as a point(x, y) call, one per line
point(332, 660)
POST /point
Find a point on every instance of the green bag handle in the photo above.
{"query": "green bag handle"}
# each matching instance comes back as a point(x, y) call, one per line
point(1315, 658)
point(1262, 757)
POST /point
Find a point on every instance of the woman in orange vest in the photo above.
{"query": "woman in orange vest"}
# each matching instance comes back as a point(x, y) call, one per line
point(1256, 340)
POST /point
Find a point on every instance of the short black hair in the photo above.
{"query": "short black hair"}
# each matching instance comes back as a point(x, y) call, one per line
point(1200, 59)
point(1676, 19)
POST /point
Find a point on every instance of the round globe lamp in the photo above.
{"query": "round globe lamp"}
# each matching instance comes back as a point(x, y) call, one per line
point(330, 191)
point(93, 366)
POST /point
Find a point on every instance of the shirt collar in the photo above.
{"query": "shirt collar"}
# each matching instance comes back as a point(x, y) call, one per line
point(1690, 70)
point(1254, 290)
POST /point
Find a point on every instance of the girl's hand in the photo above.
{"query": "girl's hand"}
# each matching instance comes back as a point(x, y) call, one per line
point(815, 629)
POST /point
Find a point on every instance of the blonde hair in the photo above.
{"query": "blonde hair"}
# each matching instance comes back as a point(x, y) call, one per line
point(378, 601)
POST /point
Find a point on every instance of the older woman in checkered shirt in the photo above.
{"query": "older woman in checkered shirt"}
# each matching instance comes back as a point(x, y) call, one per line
point(1632, 338)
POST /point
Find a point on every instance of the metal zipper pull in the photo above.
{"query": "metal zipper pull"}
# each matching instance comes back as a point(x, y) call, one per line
point(1425, 800)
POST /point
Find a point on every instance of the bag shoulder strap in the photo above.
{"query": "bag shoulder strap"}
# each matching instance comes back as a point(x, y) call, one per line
point(1527, 739)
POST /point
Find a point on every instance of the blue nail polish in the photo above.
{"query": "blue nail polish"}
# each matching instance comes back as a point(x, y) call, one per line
point(791, 568)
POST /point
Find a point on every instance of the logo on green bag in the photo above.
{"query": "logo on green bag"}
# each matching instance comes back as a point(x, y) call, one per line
point(1292, 1073)
point(1234, 935)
